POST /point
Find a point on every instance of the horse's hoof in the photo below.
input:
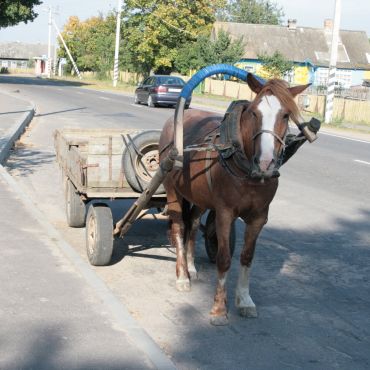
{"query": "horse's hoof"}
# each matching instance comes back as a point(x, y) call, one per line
point(219, 320)
point(250, 312)
point(193, 274)
point(183, 285)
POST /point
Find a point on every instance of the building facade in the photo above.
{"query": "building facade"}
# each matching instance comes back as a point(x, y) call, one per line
point(308, 48)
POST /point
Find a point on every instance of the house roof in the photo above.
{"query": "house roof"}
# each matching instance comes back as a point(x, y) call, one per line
point(20, 50)
point(300, 44)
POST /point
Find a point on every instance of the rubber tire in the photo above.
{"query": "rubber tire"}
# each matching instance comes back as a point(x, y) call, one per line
point(136, 99)
point(210, 237)
point(74, 205)
point(151, 104)
point(130, 159)
point(99, 235)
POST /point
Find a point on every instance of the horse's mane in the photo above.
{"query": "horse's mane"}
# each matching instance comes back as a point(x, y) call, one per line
point(280, 89)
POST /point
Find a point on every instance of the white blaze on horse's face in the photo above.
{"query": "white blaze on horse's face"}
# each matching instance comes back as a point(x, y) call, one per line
point(269, 108)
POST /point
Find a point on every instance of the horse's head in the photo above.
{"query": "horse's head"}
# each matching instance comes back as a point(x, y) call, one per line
point(265, 123)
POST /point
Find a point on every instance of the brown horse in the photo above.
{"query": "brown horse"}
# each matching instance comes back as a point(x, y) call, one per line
point(240, 183)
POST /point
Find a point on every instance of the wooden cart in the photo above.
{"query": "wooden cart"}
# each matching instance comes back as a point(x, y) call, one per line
point(91, 162)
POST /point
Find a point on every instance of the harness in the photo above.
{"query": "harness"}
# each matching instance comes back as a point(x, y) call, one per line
point(226, 140)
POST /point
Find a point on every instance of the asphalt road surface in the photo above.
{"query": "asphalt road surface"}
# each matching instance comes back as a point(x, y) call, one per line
point(310, 277)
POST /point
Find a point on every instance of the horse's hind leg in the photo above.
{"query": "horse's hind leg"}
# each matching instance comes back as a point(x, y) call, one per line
point(191, 234)
point(174, 201)
point(243, 300)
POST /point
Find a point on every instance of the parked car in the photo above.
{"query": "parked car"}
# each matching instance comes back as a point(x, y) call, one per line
point(160, 90)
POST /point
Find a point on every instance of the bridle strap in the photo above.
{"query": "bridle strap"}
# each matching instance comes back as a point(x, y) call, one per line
point(276, 136)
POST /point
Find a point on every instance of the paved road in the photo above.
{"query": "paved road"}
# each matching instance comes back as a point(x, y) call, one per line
point(311, 272)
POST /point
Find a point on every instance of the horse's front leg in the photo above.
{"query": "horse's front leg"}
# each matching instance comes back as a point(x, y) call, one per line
point(243, 300)
point(223, 262)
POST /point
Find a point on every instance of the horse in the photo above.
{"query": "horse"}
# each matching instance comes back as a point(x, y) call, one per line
point(237, 179)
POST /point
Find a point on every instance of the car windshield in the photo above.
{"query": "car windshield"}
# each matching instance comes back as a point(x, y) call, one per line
point(171, 80)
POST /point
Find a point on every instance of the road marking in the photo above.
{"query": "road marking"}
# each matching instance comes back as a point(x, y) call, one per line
point(344, 137)
point(81, 93)
point(104, 98)
point(60, 89)
point(362, 162)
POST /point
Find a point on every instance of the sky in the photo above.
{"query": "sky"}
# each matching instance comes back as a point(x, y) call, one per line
point(309, 13)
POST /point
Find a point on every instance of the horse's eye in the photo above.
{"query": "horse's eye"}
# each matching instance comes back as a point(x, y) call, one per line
point(254, 114)
point(286, 116)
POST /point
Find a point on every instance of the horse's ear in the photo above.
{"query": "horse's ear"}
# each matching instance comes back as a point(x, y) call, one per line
point(298, 89)
point(254, 84)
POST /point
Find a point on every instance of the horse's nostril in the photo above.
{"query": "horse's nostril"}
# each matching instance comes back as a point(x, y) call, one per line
point(264, 165)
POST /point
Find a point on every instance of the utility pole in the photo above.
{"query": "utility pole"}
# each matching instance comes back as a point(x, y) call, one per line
point(49, 42)
point(333, 63)
point(116, 51)
point(67, 50)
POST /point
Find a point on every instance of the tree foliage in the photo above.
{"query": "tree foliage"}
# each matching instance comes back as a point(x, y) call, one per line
point(204, 52)
point(154, 30)
point(91, 42)
point(13, 12)
point(251, 11)
point(275, 65)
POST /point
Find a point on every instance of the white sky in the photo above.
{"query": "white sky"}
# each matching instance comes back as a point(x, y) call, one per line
point(309, 13)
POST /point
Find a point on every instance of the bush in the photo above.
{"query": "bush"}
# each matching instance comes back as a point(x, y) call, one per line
point(4, 70)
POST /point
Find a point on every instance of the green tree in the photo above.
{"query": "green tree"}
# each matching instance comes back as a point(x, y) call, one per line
point(154, 30)
point(13, 12)
point(205, 52)
point(91, 43)
point(275, 65)
point(251, 11)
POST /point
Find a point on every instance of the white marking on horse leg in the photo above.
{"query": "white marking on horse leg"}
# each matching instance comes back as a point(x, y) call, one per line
point(242, 298)
point(191, 268)
point(182, 281)
point(269, 108)
point(219, 309)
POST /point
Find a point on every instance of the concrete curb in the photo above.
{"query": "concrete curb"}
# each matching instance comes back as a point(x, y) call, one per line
point(14, 133)
point(119, 312)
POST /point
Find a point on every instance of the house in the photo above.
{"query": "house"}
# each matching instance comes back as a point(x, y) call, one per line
point(308, 48)
point(19, 55)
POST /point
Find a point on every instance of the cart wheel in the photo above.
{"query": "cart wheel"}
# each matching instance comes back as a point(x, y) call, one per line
point(75, 207)
point(210, 237)
point(140, 160)
point(99, 235)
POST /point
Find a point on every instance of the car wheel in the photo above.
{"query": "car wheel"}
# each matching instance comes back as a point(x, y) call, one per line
point(150, 102)
point(136, 99)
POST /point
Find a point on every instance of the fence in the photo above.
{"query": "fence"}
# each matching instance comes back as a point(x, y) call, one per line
point(346, 108)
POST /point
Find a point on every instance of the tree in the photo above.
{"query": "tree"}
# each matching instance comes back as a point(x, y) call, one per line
point(154, 30)
point(205, 52)
point(252, 11)
point(13, 12)
point(275, 65)
point(91, 42)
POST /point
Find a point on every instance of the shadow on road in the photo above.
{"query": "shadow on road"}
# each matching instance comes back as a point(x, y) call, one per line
point(60, 111)
point(27, 160)
point(26, 80)
point(313, 297)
